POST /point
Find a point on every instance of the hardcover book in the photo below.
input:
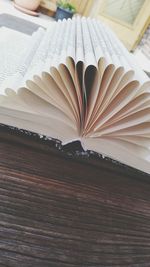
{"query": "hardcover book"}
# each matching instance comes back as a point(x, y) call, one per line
point(76, 81)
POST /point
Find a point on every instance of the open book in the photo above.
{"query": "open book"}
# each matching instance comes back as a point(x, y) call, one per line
point(78, 82)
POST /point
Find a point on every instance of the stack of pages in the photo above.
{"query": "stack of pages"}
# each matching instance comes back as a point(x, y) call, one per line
point(76, 81)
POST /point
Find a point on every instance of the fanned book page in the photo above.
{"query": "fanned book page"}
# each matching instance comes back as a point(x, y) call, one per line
point(80, 83)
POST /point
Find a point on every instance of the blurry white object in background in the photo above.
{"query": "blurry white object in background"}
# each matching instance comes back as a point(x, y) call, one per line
point(7, 7)
point(28, 4)
point(127, 18)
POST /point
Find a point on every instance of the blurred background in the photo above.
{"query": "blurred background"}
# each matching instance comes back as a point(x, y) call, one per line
point(129, 19)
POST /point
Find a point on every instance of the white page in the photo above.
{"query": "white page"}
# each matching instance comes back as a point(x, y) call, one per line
point(138, 140)
point(125, 96)
point(127, 58)
point(118, 52)
point(79, 41)
point(142, 129)
point(20, 62)
point(28, 102)
point(56, 55)
point(98, 44)
point(13, 47)
point(138, 103)
point(40, 56)
point(71, 42)
point(101, 48)
point(89, 55)
point(67, 48)
point(39, 124)
point(120, 151)
point(129, 121)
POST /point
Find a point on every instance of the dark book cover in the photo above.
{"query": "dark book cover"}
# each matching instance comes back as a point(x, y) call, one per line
point(72, 150)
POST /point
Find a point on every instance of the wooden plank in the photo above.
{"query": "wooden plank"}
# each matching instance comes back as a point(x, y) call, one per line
point(60, 210)
point(48, 7)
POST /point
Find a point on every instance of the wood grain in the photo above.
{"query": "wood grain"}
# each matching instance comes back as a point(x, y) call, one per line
point(60, 210)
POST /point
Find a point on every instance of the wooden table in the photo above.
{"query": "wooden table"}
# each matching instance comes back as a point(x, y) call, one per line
point(62, 209)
